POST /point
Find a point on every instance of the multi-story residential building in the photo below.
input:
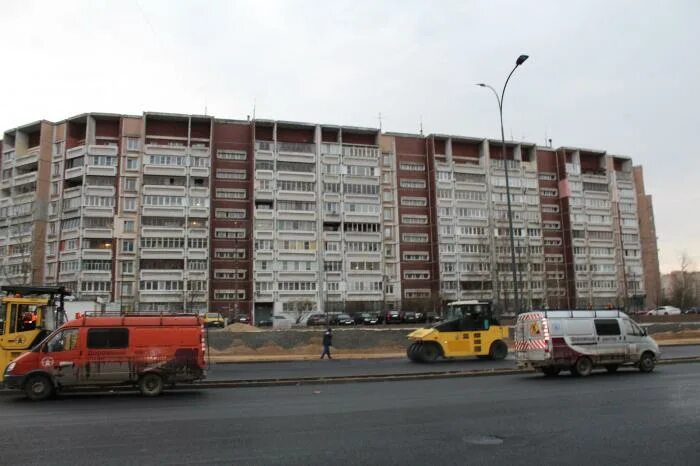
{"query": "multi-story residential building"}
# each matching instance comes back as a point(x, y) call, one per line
point(164, 212)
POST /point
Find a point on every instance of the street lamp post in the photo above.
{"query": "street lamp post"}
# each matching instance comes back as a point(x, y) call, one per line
point(521, 59)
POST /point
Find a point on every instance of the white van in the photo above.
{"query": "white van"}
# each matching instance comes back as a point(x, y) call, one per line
point(578, 341)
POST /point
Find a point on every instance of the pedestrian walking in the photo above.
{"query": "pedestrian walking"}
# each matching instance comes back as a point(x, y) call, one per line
point(327, 343)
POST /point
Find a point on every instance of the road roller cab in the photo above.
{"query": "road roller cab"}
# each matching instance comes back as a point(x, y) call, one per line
point(468, 330)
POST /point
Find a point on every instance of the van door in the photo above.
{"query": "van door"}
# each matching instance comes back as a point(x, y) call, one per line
point(611, 347)
point(108, 355)
point(61, 356)
point(633, 336)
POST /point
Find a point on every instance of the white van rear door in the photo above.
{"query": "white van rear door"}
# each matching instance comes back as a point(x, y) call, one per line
point(532, 337)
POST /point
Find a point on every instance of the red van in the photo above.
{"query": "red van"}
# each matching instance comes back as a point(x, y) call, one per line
point(147, 351)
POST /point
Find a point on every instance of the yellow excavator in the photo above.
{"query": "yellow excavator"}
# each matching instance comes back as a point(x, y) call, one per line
point(27, 315)
point(469, 329)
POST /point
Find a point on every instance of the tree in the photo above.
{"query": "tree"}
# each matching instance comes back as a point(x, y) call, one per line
point(682, 284)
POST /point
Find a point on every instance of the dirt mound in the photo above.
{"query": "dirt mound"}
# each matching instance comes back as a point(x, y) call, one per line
point(682, 334)
point(238, 327)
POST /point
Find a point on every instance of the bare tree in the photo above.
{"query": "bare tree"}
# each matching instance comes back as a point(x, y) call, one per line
point(682, 286)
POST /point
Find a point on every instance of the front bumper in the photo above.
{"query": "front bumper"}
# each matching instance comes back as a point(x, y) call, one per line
point(12, 382)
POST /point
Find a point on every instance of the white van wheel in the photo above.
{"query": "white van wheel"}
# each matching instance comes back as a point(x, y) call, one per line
point(647, 362)
point(583, 367)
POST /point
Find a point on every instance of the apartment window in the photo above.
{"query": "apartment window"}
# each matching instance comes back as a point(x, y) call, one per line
point(548, 192)
point(129, 184)
point(333, 266)
point(164, 201)
point(230, 274)
point(103, 160)
point(444, 193)
point(470, 195)
point(412, 167)
point(223, 193)
point(226, 174)
point(129, 204)
point(197, 243)
point(231, 155)
point(387, 232)
point(126, 267)
point(412, 184)
point(416, 293)
point(229, 253)
point(264, 244)
point(388, 196)
point(197, 264)
point(444, 213)
point(333, 286)
point(230, 213)
point(534, 232)
point(332, 208)
point(96, 287)
point(550, 208)
point(414, 237)
point(295, 225)
point(596, 187)
point(361, 170)
point(160, 285)
point(264, 287)
point(552, 241)
point(296, 286)
point(229, 233)
point(388, 214)
point(357, 208)
point(550, 226)
point(414, 219)
point(296, 167)
point(297, 245)
point(446, 230)
point(416, 275)
point(547, 176)
point(303, 206)
point(132, 163)
point(58, 147)
point(414, 201)
point(332, 246)
point(579, 251)
point(133, 144)
point(304, 186)
point(363, 246)
point(471, 212)
point(386, 159)
point(98, 201)
point(128, 226)
point(331, 187)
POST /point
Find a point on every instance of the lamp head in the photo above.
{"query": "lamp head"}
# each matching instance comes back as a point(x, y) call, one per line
point(521, 59)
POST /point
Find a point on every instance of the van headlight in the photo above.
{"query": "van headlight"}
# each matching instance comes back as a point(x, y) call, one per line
point(10, 367)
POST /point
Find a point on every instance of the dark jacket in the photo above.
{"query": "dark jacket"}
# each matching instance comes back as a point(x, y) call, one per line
point(327, 339)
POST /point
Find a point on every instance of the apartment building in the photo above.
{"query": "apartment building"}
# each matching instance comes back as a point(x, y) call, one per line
point(169, 212)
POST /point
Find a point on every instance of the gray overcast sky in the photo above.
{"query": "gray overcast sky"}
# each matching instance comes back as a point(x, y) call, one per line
point(615, 75)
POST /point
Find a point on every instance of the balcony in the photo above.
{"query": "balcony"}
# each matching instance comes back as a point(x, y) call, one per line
point(360, 151)
point(74, 152)
point(74, 172)
point(199, 152)
point(264, 214)
point(198, 212)
point(158, 232)
point(162, 253)
point(97, 232)
point(199, 172)
point(6, 183)
point(160, 211)
point(296, 215)
point(265, 148)
point(27, 159)
point(96, 275)
point(161, 296)
point(151, 274)
point(25, 179)
point(92, 190)
point(573, 169)
point(164, 170)
point(159, 149)
point(296, 152)
point(101, 170)
point(94, 149)
point(197, 232)
point(200, 254)
point(164, 190)
point(500, 165)
point(199, 192)
point(100, 254)
point(95, 211)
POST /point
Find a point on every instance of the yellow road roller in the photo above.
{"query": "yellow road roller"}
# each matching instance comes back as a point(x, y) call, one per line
point(469, 329)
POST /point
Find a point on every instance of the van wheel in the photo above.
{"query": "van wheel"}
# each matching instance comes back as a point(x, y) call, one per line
point(611, 368)
point(498, 351)
point(411, 351)
point(551, 371)
point(647, 362)
point(151, 384)
point(429, 352)
point(38, 387)
point(583, 367)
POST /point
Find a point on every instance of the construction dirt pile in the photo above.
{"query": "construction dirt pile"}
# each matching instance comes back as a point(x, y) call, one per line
point(679, 335)
point(238, 327)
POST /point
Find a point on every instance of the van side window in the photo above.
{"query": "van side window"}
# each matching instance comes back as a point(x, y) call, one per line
point(108, 338)
point(605, 327)
point(66, 340)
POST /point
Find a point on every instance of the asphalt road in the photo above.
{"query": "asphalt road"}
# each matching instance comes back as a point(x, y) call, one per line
point(624, 418)
point(340, 367)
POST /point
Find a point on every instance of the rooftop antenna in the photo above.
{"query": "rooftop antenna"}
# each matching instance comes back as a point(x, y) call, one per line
point(379, 117)
point(254, 105)
point(550, 142)
point(421, 125)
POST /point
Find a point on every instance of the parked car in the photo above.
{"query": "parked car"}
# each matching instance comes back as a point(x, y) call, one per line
point(393, 317)
point(214, 319)
point(242, 319)
point(692, 310)
point(432, 317)
point(411, 317)
point(281, 322)
point(265, 322)
point(664, 311)
point(316, 319)
point(345, 319)
point(371, 318)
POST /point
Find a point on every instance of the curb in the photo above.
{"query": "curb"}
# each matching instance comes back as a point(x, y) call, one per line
point(219, 384)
